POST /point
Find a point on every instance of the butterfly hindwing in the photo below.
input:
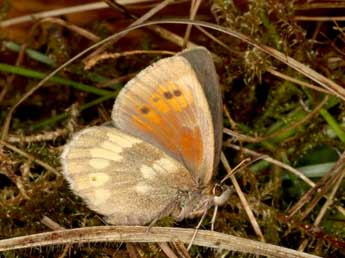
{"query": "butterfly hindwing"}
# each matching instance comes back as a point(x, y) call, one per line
point(166, 106)
point(122, 177)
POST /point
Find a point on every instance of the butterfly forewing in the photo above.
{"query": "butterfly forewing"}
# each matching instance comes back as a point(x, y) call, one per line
point(122, 177)
point(166, 106)
point(201, 61)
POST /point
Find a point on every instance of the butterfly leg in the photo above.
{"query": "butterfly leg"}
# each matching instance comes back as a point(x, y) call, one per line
point(166, 212)
point(214, 217)
point(196, 230)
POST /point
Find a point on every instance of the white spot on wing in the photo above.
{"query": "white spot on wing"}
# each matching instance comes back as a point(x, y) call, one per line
point(105, 154)
point(165, 164)
point(123, 140)
point(147, 172)
point(142, 188)
point(99, 163)
point(98, 179)
point(109, 145)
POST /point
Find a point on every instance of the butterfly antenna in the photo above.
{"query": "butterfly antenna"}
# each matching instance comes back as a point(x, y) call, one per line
point(242, 165)
point(215, 210)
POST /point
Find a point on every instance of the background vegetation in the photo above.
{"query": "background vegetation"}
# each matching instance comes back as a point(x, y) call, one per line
point(270, 108)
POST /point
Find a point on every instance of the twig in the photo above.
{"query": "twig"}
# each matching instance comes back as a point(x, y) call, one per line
point(195, 4)
point(30, 157)
point(46, 136)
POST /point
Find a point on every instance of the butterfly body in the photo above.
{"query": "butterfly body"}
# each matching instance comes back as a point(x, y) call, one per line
point(159, 157)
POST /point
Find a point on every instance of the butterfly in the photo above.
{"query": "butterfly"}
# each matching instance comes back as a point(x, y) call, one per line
point(159, 155)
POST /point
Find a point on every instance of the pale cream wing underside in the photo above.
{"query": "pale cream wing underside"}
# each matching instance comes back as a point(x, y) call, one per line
point(166, 106)
point(122, 177)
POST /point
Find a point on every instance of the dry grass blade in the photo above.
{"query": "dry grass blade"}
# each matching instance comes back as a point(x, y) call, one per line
point(286, 129)
point(319, 18)
point(321, 187)
point(325, 207)
point(167, 250)
point(85, 33)
point(269, 159)
point(141, 234)
point(172, 37)
point(298, 82)
point(319, 5)
point(11, 77)
point(132, 250)
point(64, 11)
point(181, 249)
point(94, 60)
point(140, 20)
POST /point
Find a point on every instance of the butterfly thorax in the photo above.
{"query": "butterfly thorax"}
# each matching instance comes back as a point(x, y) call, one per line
point(192, 204)
point(196, 203)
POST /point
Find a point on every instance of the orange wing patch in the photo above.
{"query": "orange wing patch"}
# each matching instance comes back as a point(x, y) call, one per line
point(191, 145)
point(168, 109)
point(149, 114)
point(168, 98)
